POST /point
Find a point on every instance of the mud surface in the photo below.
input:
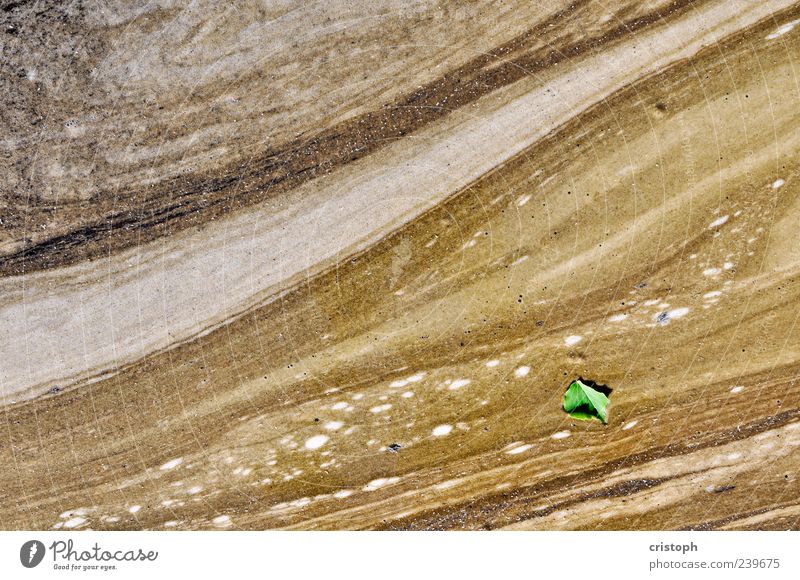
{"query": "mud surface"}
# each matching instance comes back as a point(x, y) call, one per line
point(327, 266)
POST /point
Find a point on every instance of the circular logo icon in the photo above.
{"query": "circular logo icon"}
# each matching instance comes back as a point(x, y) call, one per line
point(31, 553)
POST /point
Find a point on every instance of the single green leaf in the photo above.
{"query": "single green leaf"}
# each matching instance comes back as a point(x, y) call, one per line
point(585, 403)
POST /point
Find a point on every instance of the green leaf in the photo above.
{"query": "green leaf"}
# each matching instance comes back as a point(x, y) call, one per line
point(585, 403)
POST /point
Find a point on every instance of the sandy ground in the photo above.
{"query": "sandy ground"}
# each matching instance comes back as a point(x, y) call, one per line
point(623, 213)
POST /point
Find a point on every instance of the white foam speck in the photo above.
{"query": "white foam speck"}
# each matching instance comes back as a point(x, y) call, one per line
point(381, 408)
point(75, 512)
point(492, 363)
point(380, 482)
point(737, 389)
point(74, 522)
point(416, 378)
point(339, 406)
point(316, 441)
point(711, 271)
point(560, 435)
point(629, 425)
point(194, 490)
point(718, 222)
point(573, 339)
point(333, 425)
point(522, 372)
point(678, 312)
point(713, 294)
point(134, 508)
point(407, 394)
point(447, 484)
point(458, 383)
point(519, 449)
point(617, 317)
point(222, 521)
point(172, 464)
point(523, 200)
point(519, 260)
point(783, 30)
point(727, 265)
point(343, 493)
point(778, 183)
point(442, 430)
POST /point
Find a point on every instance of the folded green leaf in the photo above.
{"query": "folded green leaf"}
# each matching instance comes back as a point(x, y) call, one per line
point(585, 403)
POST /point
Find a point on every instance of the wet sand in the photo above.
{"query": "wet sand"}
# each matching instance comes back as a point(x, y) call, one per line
point(362, 311)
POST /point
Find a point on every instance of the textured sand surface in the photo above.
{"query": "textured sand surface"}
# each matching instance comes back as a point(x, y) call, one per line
point(245, 254)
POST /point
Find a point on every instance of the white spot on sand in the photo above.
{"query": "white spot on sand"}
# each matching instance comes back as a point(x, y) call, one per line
point(573, 339)
point(333, 425)
point(407, 394)
point(442, 430)
point(712, 294)
point(711, 271)
point(629, 425)
point(74, 522)
point(458, 383)
point(134, 509)
point(76, 512)
point(737, 389)
point(343, 493)
point(560, 435)
point(777, 183)
point(522, 372)
point(617, 317)
point(447, 484)
point(172, 464)
point(316, 442)
point(222, 521)
point(380, 482)
point(718, 222)
point(519, 449)
point(194, 490)
point(783, 30)
point(678, 312)
point(339, 406)
point(492, 363)
point(523, 200)
point(381, 408)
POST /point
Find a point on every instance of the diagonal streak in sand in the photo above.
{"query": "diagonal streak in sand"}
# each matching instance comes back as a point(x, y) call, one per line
point(66, 325)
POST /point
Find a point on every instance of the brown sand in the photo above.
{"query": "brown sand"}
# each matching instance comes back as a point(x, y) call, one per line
point(449, 215)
